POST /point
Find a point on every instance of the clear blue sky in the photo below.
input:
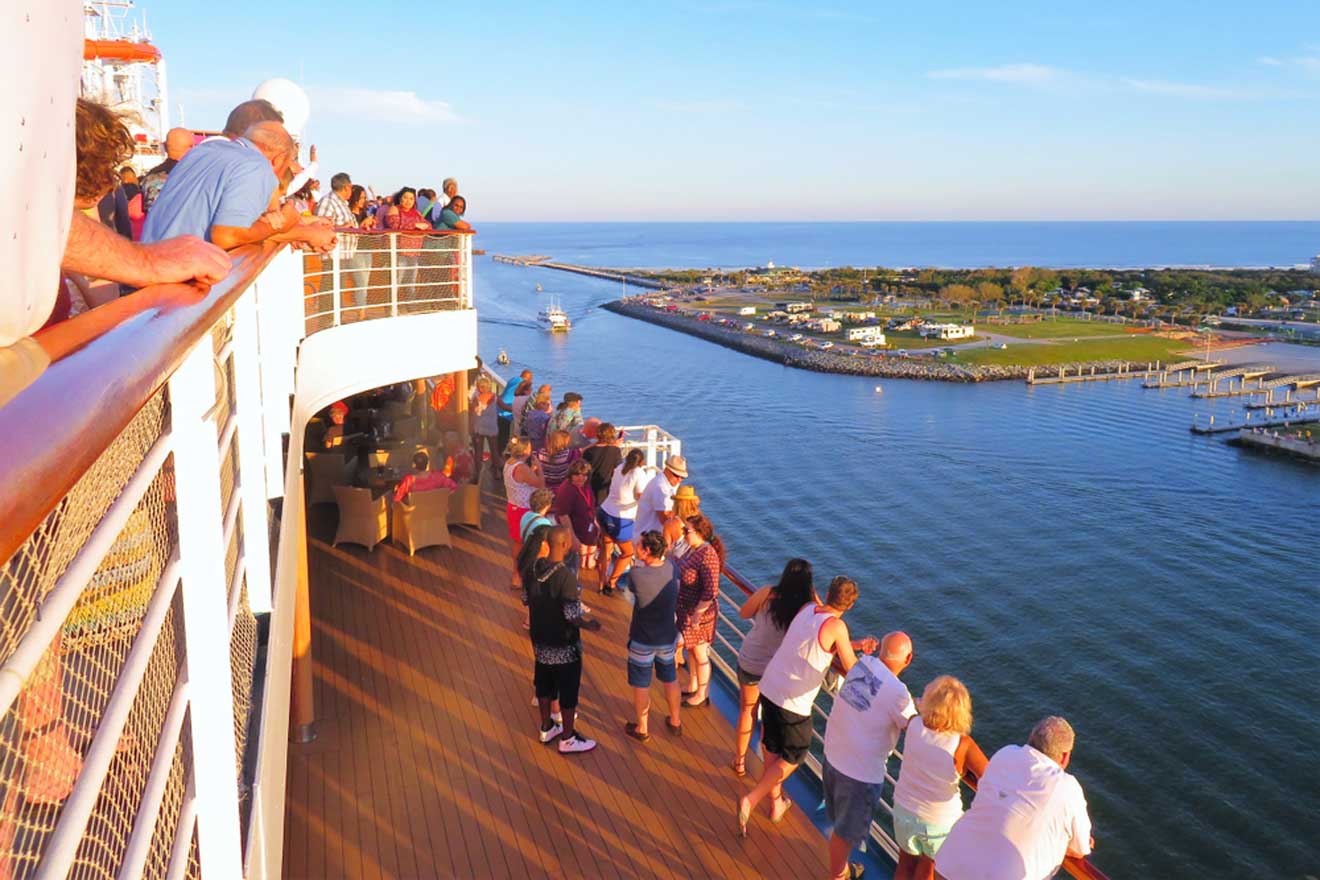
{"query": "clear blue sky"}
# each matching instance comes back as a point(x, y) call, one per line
point(758, 110)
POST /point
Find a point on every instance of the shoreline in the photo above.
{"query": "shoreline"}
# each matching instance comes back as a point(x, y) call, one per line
point(828, 362)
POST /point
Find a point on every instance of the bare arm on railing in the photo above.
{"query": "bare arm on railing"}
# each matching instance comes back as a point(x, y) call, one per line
point(754, 603)
point(94, 249)
point(285, 224)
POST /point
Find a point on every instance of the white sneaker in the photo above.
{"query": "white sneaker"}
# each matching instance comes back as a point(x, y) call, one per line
point(554, 731)
point(576, 744)
point(557, 717)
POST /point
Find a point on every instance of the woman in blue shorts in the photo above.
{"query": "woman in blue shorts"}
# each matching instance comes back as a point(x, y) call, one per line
point(616, 515)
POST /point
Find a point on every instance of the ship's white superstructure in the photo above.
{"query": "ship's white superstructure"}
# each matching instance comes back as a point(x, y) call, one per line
point(554, 318)
point(123, 70)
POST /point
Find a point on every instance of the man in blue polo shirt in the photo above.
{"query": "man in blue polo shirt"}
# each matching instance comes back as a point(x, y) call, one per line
point(222, 189)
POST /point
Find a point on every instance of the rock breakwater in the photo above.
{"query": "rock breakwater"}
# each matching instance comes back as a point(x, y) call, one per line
point(792, 355)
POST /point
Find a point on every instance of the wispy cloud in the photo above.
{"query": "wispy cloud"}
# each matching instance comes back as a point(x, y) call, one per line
point(697, 107)
point(1022, 74)
point(1201, 91)
point(382, 105)
point(1306, 63)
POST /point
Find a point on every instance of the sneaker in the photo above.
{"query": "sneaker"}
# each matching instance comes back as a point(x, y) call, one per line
point(576, 743)
point(554, 731)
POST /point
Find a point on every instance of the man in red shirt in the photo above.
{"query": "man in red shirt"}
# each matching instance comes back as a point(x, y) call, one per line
point(422, 479)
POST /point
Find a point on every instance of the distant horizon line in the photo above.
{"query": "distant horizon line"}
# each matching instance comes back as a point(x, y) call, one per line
point(822, 222)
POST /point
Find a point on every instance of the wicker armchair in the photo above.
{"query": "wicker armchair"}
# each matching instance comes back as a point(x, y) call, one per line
point(362, 519)
point(326, 470)
point(465, 506)
point(422, 520)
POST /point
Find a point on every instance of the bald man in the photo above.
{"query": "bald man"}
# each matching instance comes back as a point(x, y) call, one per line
point(873, 707)
point(177, 144)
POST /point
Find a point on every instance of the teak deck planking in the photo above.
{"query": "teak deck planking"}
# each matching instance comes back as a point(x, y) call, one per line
point(427, 762)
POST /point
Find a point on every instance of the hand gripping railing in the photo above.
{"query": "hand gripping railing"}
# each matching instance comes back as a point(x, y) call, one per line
point(728, 632)
point(387, 273)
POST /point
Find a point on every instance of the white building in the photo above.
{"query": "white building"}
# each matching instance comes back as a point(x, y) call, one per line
point(867, 336)
point(824, 325)
point(799, 307)
point(747, 310)
point(948, 331)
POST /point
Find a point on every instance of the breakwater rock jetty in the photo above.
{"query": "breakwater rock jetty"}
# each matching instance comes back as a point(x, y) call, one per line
point(791, 355)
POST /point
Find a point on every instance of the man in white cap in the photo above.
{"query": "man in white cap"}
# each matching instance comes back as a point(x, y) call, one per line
point(657, 502)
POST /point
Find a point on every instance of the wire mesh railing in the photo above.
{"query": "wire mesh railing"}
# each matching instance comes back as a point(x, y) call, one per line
point(385, 274)
point(117, 688)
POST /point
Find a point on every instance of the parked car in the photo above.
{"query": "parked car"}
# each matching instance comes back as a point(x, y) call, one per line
point(827, 344)
point(796, 337)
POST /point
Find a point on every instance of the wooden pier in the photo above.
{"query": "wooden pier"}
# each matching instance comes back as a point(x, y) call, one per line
point(1301, 447)
point(1293, 415)
point(1193, 370)
point(1092, 374)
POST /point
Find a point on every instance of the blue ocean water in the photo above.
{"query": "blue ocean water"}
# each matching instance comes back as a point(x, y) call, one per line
point(1067, 550)
point(894, 244)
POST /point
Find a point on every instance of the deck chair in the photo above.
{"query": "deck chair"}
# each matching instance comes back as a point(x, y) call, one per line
point(326, 470)
point(465, 506)
point(422, 520)
point(362, 520)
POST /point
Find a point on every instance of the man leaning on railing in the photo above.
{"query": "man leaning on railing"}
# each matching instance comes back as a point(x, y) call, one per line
point(224, 191)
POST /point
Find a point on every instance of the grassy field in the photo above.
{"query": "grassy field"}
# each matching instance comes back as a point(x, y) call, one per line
point(1132, 348)
point(910, 340)
point(1065, 328)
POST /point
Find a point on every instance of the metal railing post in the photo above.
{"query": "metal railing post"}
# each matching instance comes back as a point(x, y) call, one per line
point(250, 482)
point(336, 284)
point(206, 644)
point(394, 275)
point(465, 273)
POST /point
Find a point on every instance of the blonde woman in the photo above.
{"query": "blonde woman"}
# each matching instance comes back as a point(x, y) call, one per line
point(687, 503)
point(485, 426)
point(938, 752)
point(522, 476)
point(556, 458)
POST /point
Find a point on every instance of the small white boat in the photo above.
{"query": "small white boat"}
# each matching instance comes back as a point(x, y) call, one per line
point(502, 358)
point(554, 319)
point(539, 288)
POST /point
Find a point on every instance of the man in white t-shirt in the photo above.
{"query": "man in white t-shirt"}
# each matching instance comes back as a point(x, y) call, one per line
point(657, 502)
point(1027, 815)
point(871, 710)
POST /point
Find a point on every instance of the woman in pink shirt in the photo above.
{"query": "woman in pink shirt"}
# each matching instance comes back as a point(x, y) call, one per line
point(404, 215)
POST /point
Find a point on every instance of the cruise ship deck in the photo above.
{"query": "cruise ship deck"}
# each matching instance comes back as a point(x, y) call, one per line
point(427, 764)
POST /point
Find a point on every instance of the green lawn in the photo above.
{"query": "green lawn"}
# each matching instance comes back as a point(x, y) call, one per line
point(909, 339)
point(1132, 348)
point(1065, 328)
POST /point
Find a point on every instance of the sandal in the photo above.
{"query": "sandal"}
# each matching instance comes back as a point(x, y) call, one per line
point(739, 766)
point(782, 813)
point(631, 729)
point(744, 816)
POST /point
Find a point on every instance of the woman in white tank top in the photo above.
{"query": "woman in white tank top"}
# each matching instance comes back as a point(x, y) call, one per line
point(937, 751)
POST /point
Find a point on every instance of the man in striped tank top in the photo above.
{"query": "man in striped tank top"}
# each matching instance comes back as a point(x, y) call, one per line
point(815, 639)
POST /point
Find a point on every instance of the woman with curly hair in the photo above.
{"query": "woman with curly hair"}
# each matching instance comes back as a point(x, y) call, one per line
point(698, 598)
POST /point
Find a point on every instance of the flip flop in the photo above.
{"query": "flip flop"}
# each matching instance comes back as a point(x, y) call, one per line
point(744, 816)
point(777, 819)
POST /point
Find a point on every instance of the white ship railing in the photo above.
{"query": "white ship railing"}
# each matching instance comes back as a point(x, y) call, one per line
point(141, 734)
point(388, 273)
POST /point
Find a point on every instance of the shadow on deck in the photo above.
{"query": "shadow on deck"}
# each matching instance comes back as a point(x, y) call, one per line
point(427, 763)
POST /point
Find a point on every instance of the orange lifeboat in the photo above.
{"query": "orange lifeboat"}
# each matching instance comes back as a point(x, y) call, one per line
point(120, 50)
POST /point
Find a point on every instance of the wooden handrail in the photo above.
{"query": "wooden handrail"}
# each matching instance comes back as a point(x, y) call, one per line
point(358, 230)
point(104, 366)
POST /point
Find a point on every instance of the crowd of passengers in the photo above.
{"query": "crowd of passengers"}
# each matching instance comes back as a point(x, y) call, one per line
point(175, 221)
point(578, 498)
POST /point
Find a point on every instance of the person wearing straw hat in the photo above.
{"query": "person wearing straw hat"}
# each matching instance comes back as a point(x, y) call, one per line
point(686, 503)
point(656, 506)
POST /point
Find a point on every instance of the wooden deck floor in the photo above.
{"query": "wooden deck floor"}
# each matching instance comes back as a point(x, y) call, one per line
point(427, 763)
